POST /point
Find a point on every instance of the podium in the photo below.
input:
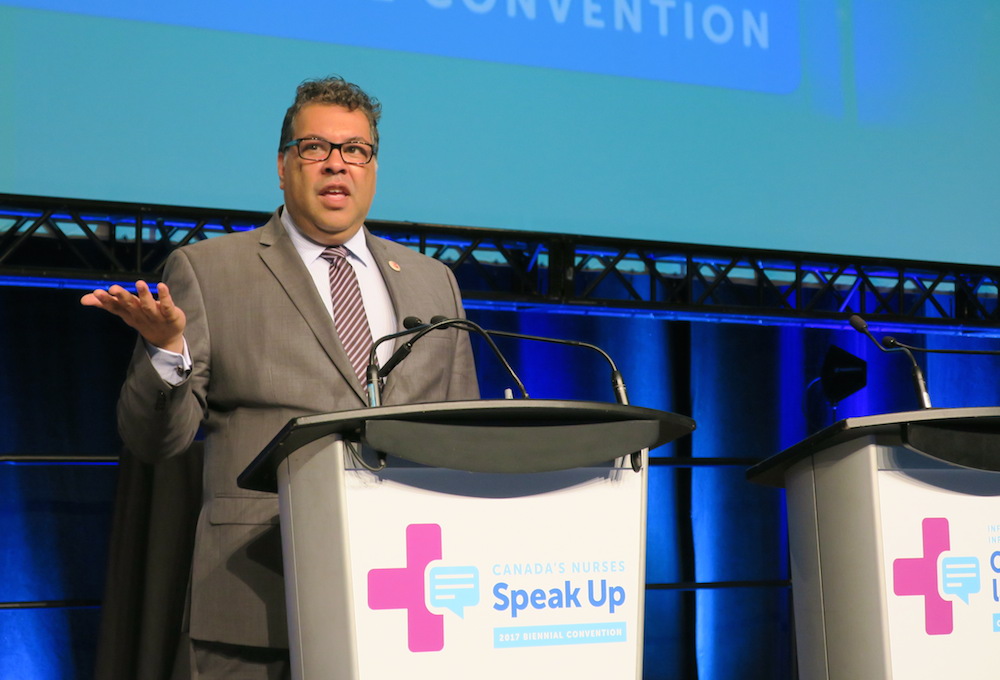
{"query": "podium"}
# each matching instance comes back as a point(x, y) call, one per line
point(894, 537)
point(487, 539)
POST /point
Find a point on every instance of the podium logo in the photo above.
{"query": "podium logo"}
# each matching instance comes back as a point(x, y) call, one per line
point(412, 586)
point(931, 575)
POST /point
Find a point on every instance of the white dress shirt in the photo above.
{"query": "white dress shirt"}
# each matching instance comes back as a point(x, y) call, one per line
point(374, 294)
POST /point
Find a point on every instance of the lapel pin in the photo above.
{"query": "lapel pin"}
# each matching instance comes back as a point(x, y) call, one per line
point(394, 266)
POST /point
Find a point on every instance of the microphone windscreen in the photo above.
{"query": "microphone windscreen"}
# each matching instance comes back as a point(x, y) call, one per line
point(858, 323)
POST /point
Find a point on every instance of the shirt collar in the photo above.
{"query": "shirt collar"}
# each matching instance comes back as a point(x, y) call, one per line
point(308, 250)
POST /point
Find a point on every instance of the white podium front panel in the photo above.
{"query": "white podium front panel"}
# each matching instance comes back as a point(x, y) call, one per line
point(941, 550)
point(461, 574)
point(895, 565)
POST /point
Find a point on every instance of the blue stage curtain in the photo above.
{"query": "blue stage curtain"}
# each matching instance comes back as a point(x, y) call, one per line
point(960, 380)
point(63, 366)
point(747, 384)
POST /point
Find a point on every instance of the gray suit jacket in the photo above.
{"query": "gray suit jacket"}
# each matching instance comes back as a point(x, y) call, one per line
point(265, 350)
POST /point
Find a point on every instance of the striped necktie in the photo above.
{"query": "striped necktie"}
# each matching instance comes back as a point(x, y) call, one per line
point(349, 310)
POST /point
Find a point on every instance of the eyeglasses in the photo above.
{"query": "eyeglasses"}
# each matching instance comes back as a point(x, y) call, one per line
point(317, 149)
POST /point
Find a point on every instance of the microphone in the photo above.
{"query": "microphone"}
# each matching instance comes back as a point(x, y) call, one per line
point(373, 374)
point(919, 382)
point(417, 328)
point(617, 382)
point(890, 341)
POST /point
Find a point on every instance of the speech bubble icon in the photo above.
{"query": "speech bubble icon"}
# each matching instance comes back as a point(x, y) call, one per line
point(960, 577)
point(454, 588)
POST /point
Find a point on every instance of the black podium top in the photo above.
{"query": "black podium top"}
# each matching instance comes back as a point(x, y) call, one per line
point(960, 436)
point(504, 435)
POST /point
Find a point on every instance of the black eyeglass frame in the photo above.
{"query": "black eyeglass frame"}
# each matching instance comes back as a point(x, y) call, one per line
point(333, 146)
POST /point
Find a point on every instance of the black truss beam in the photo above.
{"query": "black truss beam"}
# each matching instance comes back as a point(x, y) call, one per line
point(68, 239)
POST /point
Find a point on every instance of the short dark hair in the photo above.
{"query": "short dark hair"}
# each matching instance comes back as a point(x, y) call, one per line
point(331, 90)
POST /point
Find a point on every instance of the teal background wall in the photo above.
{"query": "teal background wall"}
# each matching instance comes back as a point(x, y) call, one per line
point(878, 135)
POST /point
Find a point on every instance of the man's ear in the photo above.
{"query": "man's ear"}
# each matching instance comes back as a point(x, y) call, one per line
point(281, 171)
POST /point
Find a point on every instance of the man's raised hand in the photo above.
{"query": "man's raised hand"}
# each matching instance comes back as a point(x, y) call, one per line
point(159, 321)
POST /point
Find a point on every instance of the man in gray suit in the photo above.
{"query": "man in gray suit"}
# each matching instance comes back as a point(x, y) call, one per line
point(246, 334)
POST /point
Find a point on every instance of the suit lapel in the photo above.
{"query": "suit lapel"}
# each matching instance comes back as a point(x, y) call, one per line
point(280, 257)
point(405, 296)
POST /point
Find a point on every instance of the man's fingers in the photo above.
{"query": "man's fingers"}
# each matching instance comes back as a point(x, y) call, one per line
point(142, 290)
point(118, 301)
point(119, 293)
point(161, 322)
point(104, 299)
point(166, 302)
point(145, 299)
point(91, 300)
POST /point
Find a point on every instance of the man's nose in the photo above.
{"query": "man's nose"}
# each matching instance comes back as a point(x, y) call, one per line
point(334, 162)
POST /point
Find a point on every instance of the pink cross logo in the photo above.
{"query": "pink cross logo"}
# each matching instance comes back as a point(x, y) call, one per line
point(919, 576)
point(403, 588)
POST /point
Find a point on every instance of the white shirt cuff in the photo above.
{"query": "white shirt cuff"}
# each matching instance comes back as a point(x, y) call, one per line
point(174, 368)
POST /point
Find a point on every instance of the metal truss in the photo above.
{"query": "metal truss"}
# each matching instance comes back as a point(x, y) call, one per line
point(63, 241)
